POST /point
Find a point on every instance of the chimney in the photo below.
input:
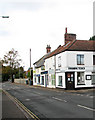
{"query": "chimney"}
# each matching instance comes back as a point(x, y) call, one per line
point(48, 49)
point(69, 36)
point(65, 30)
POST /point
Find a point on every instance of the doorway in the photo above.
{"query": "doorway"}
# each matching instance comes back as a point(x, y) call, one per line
point(69, 80)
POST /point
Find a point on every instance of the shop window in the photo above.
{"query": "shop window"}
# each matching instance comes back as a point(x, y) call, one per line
point(42, 80)
point(47, 82)
point(35, 79)
point(80, 59)
point(93, 59)
point(39, 79)
point(59, 80)
point(53, 79)
point(80, 78)
point(93, 79)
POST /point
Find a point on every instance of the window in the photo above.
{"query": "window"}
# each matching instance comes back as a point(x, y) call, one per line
point(93, 78)
point(60, 80)
point(53, 79)
point(93, 59)
point(42, 80)
point(80, 78)
point(59, 61)
point(35, 79)
point(80, 59)
point(42, 67)
point(46, 77)
point(38, 79)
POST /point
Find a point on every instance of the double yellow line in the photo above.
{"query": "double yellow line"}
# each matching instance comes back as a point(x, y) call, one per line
point(32, 115)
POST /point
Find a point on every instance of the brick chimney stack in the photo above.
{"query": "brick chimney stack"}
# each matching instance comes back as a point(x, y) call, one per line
point(69, 36)
point(48, 49)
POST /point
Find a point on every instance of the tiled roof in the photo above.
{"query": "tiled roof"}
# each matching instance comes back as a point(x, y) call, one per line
point(41, 61)
point(75, 45)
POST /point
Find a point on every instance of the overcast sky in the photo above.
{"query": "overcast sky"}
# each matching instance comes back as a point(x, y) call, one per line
point(36, 23)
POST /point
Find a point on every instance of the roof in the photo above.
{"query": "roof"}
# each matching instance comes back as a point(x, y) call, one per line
point(41, 61)
point(75, 45)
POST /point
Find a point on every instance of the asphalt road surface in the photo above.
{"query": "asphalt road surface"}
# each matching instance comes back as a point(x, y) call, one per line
point(51, 104)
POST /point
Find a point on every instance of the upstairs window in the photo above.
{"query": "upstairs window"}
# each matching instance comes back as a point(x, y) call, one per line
point(42, 67)
point(93, 59)
point(80, 59)
point(59, 61)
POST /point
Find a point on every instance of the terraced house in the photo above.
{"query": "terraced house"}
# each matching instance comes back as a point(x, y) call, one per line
point(39, 73)
point(72, 65)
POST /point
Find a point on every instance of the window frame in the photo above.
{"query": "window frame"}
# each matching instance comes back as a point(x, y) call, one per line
point(93, 83)
point(77, 79)
point(42, 78)
point(80, 61)
point(93, 59)
point(59, 61)
point(61, 80)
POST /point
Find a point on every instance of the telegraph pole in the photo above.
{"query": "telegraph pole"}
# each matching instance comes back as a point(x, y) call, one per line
point(30, 66)
point(30, 58)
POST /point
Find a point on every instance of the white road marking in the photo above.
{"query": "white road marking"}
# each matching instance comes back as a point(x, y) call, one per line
point(91, 96)
point(87, 95)
point(59, 99)
point(81, 95)
point(78, 94)
point(27, 99)
point(38, 93)
point(86, 107)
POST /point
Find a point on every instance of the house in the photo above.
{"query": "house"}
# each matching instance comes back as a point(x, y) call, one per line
point(39, 73)
point(72, 65)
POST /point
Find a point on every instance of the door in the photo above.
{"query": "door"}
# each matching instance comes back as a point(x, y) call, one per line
point(70, 80)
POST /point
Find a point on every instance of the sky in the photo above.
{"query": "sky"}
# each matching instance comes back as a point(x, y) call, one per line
point(37, 23)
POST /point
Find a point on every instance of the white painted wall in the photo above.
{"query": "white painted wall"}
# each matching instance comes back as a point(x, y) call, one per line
point(69, 59)
point(72, 58)
point(50, 67)
point(63, 60)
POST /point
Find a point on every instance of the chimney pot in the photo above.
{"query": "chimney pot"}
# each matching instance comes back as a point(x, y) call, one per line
point(48, 49)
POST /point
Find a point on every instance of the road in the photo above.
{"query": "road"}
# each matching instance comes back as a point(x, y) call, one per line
point(46, 103)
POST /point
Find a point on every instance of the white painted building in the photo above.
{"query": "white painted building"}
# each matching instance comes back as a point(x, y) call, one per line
point(70, 66)
point(39, 73)
point(73, 63)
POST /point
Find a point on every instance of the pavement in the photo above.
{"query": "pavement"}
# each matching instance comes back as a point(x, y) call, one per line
point(59, 89)
point(10, 110)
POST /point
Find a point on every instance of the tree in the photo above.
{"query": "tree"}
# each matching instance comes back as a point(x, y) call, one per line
point(11, 62)
point(92, 38)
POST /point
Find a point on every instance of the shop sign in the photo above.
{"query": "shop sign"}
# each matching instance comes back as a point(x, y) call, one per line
point(51, 71)
point(76, 68)
point(88, 77)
